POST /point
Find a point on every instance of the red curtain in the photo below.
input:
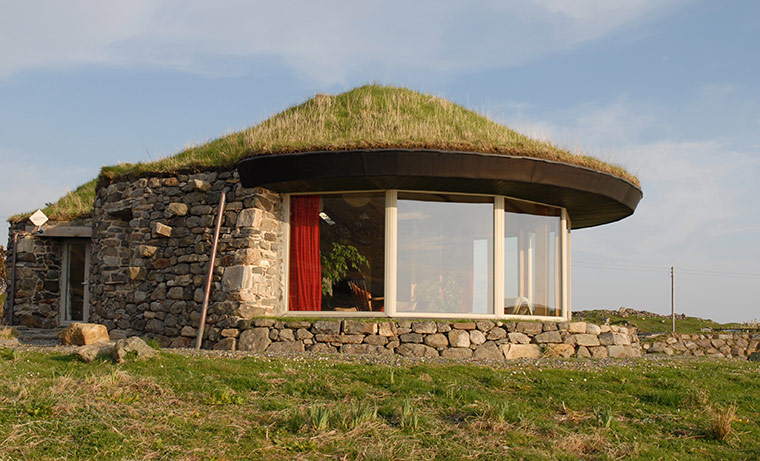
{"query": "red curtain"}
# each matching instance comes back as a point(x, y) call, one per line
point(305, 264)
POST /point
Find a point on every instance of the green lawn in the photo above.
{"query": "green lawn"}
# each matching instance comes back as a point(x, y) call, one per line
point(172, 406)
point(647, 324)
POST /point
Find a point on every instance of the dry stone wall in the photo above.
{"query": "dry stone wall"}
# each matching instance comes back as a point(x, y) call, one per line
point(727, 345)
point(483, 339)
point(152, 239)
point(37, 287)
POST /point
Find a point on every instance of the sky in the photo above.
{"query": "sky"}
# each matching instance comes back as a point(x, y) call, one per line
point(669, 89)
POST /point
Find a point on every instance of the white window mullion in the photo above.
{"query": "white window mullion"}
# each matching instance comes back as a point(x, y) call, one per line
point(391, 248)
point(565, 263)
point(498, 256)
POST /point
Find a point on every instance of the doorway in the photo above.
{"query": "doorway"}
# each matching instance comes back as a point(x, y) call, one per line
point(75, 290)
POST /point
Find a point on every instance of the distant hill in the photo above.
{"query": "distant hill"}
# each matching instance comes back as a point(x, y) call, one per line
point(649, 322)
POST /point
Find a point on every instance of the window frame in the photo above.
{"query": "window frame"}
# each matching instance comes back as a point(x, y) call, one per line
point(391, 248)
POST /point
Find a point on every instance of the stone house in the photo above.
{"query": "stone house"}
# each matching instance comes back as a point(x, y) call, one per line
point(392, 213)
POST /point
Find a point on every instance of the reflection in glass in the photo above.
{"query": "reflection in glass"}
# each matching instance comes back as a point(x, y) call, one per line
point(337, 252)
point(444, 259)
point(532, 259)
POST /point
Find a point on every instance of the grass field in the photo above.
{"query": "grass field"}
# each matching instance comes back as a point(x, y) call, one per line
point(178, 407)
point(648, 324)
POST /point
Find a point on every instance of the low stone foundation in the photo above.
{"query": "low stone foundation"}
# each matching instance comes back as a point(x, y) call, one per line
point(727, 345)
point(483, 339)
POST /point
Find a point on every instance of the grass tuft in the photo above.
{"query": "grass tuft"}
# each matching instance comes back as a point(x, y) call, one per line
point(721, 421)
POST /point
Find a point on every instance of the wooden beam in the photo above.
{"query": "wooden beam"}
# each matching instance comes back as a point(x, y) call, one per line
point(67, 231)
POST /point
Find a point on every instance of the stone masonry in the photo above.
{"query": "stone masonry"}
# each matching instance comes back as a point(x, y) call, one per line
point(728, 345)
point(484, 339)
point(151, 243)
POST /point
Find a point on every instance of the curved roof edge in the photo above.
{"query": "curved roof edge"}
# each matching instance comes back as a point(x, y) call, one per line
point(591, 197)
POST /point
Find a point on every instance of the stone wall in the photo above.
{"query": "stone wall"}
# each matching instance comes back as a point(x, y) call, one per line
point(738, 345)
point(483, 339)
point(151, 243)
point(37, 287)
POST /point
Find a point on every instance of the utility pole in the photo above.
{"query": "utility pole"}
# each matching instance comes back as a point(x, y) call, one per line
point(673, 298)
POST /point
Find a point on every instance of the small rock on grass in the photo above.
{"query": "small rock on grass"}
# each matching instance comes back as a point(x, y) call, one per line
point(132, 344)
point(90, 352)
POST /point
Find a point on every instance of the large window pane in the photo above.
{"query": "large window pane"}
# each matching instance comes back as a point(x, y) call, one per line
point(337, 252)
point(445, 248)
point(532, 259)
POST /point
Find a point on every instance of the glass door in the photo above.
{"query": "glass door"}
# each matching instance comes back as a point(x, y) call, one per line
point(75, 293)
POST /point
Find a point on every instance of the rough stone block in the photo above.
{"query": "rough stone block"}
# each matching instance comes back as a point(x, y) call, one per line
point(250, 217)
point(530, 328)
point(377, 340)
point(189, 331)
point(459, 338)
point(137, 273)
point(437, 340)
point(488, 350)
point(477, 337)
point(457, 353)
point(175, 209)
point(226, 344)
point(576, 327)
point(496, 334)
point(161, 229)
point(90, 352)
point(145, 251)
point(611, 338)
point(484, 325)
point(425, 327)
point(288, 347)
point(548, 337)
point(303, 333)
point(387, 329)
point(592, 329)
point(560, 350)
point(464, 325)
point(328, 327)
point(416, 350)
point(80, 334)
point(132, 345)
point(410, 338)
point(598, 352)
point(586, 340)
point(255, 340)
point(521, 351)
point(356, 327)
point(518, 338)
point(230, 333)
point(583, 352)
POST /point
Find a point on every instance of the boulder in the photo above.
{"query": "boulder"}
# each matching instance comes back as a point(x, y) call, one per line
point(255, 340)
point(80, 334)
point(459, 338)
point(488, 350)
point(90, 352)
point(417, 350)
point(560, 350)
point(521, 351)
point(134, 344)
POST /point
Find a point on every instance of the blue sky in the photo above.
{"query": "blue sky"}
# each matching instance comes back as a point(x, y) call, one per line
point(668, 89)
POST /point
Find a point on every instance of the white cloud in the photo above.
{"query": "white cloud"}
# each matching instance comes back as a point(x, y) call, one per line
point(326, 41)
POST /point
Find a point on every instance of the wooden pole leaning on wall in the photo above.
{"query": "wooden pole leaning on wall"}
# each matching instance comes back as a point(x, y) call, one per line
point(212, 260)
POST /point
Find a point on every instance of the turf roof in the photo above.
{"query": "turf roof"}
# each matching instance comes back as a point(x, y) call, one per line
point(367, 117)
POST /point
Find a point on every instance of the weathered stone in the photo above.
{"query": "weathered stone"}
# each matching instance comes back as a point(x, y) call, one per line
point(323, 348)
point(464, 325)
point(549, 326)
point(356, 327)
point(387, 329)
point(132, 345)
point(496, 334)
point(377, 340)
point(175, 209)
point(443, 326)
point(287, 347)
point(488, 350)
point(586, 340)
point(230, 333)
point(559, 350)
point(530, 328)
point(286, 334)
point(484, 325)
point(592, 329)
point(611, 338)
point(616, 351)
point(202, 186)
point(145, 251)
point(355, 349)
point(518, 338)
point(263, 322)
point(521, 351)
point(226, 344)
point(255, 340)
point(339, 339)
point(250, 217)
point(457, 353)
point(548, 337)
point(328, 327)
point(459, 338)
point(80, 334)
point(416, 350)
point(90, 352)
point(303, 333)
point(188, 331)
point(476, 338)
point(175, 293)
point(583, 352)
point(424, 327)
point(598, 352)
point(436, 340)
point(411, 338)
point(161, 229)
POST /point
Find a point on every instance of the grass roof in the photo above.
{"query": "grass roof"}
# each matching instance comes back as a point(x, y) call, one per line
point(368, 117)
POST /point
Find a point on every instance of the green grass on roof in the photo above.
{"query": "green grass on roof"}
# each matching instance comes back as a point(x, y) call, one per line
point(368, 117)
point(74, 204)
